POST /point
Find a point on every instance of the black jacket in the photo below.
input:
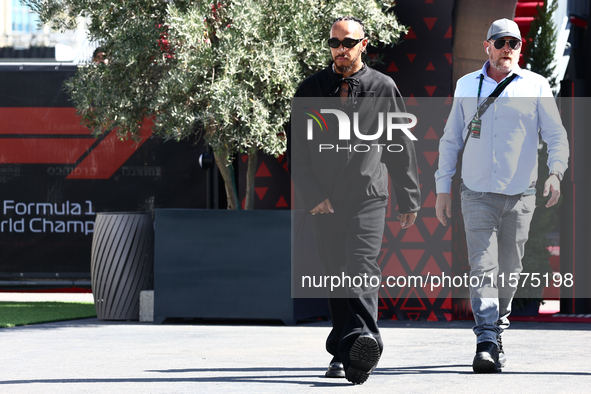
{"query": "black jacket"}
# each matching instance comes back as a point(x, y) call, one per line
point(350, 175)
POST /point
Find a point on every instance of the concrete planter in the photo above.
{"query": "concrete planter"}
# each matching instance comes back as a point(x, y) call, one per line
point(224, 264)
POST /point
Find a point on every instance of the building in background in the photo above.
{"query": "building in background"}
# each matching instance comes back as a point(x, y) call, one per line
point(23, 39)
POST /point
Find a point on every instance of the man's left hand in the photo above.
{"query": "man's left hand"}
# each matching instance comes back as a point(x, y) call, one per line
point(552, 185)
point(407, 219)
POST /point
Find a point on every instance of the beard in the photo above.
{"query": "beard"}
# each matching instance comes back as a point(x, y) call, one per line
point(346, 69)
point(501, 66)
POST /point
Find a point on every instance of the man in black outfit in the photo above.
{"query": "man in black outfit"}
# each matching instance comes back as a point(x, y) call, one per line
point(346, 192)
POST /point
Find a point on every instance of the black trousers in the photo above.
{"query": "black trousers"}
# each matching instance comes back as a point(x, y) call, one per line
point(349, 242)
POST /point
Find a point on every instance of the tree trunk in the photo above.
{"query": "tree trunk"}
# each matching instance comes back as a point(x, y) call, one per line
point(227, 171)
point(250, 172)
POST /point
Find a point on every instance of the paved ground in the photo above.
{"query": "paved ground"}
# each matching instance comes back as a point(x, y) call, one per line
point(90, 356)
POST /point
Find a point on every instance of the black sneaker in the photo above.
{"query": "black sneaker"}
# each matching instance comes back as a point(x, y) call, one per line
point(486, 359)
point(502, 358)
point(363, 358)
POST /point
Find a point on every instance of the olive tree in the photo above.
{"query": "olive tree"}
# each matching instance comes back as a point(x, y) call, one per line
point(225, 70)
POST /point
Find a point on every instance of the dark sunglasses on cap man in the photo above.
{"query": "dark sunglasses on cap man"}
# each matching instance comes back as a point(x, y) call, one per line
point(347, 42)
point(513, 43)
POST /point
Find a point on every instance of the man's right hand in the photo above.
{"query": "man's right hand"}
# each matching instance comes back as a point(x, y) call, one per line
point(443, 207)
point(324, 207)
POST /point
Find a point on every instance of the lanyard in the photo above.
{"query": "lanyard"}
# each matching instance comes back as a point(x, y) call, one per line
point(476, 124)
point(479, 90)
point(490, 99)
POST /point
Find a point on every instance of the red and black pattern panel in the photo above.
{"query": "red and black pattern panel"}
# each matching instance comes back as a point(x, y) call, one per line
point(423, 250)
point(421, 63)
point(421, 67)
point(272, 182)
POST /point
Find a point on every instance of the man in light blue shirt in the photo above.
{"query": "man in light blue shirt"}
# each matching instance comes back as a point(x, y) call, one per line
point(499, 171)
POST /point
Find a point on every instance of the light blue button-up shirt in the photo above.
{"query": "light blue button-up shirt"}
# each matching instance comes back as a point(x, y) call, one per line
point(505, 158)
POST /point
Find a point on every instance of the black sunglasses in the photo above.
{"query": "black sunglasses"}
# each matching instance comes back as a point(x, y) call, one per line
point(514, 44)
point(347, 42)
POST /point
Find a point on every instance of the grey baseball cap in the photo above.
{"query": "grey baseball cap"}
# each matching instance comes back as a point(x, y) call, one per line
point(503, 28)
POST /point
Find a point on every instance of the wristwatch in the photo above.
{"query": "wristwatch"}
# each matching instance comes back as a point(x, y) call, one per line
point(558, 174)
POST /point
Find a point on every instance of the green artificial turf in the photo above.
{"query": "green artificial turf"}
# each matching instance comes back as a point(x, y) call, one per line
point(23, 313)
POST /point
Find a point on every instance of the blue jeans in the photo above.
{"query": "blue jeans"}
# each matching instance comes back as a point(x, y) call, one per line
point(497, 228)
